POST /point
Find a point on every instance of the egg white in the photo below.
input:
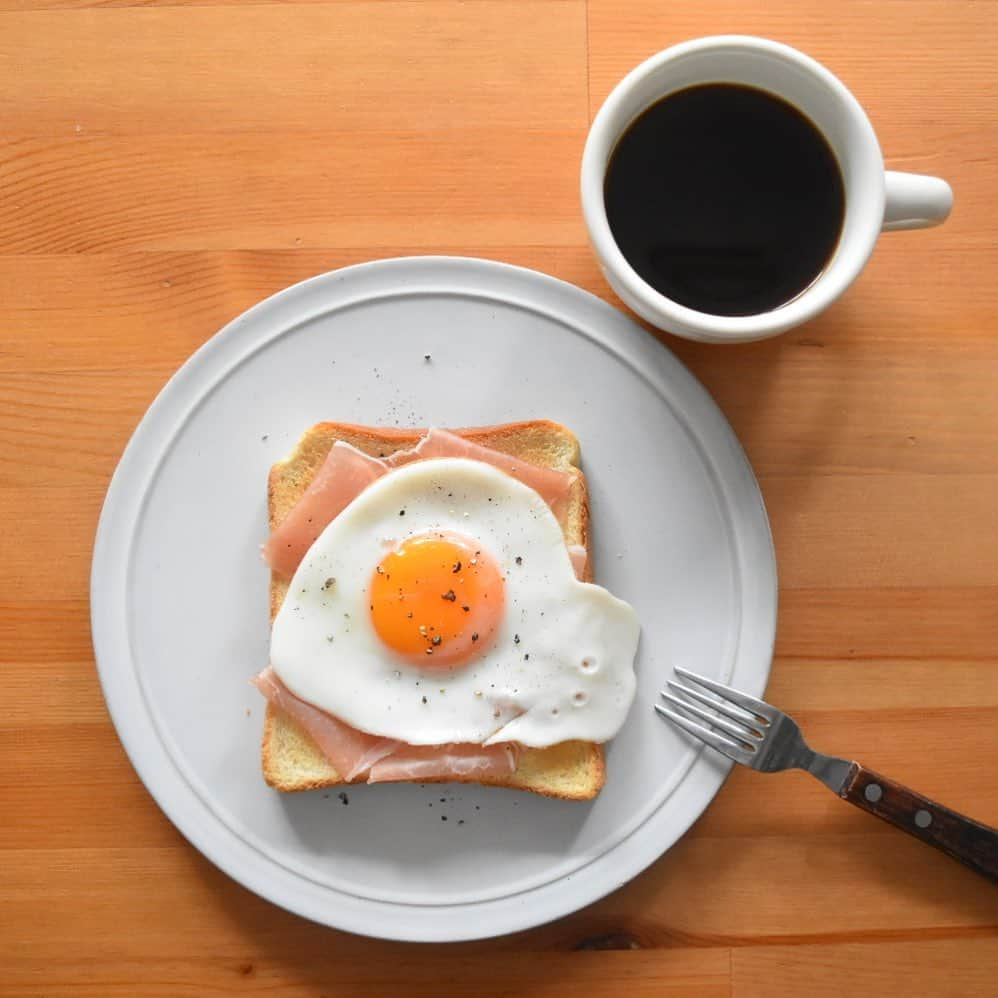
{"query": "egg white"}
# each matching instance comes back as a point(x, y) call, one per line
point(569, 675)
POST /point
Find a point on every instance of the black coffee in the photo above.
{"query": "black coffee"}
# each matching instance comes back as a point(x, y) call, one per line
point(725, 199)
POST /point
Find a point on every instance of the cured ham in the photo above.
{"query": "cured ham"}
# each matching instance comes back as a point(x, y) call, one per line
point(553, 486)
point(352, 752)
point(355, 753)
point(346, 472)
point(444, 762)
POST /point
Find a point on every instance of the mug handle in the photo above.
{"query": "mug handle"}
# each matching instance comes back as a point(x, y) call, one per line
point(915, 201)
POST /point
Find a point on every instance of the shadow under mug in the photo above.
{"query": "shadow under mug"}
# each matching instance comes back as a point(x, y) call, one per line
point(875, 200)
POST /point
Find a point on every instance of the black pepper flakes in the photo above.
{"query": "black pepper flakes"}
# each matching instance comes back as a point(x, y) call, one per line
point(450, 596)
point(456, 568)
point(401, 512)
point(519, 560)
point(474, 637)
point(526, 657)
point(443, 817)
point(343, 798)
point(329, 583)
point(424, 699)
point(426, 357)
point(460, 821)
point(436, 639)
point(466, 608)
point(516, 639)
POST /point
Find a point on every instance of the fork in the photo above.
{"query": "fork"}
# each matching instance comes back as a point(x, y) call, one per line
point(759, 736)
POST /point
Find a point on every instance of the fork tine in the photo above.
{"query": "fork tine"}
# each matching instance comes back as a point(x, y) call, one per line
point(712, 738)
point(758, 707)
point(743, 717)
point(737, 731)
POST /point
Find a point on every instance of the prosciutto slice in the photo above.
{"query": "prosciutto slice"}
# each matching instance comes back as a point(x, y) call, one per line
point(444, 762)
point(342, 477)
point(553, 486)
point(346, 472)
point(351, 751)
point(355, 753)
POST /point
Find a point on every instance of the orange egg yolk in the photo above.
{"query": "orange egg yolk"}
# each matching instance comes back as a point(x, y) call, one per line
point(437, 600)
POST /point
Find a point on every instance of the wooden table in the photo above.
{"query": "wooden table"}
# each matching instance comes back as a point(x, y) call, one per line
point(164, 166)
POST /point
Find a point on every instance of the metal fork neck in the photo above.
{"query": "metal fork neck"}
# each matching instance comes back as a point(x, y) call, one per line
point(833, 772)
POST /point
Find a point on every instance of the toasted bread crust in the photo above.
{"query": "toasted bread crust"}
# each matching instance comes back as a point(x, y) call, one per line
point(291, 761)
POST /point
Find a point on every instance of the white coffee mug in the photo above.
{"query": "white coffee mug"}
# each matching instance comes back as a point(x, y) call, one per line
point(875, 200)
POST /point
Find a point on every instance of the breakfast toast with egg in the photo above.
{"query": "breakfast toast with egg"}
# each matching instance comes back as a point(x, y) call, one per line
point(572, 770)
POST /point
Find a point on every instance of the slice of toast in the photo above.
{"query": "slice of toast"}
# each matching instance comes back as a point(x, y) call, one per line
point(572, 770)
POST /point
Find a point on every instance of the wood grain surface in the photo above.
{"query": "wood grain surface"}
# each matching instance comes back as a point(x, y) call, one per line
point(165, 165)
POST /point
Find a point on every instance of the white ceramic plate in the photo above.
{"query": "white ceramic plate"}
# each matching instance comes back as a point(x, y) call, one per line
point(179, 593)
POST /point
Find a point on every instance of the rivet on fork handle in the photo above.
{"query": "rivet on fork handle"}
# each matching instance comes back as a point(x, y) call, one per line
point(963, 839)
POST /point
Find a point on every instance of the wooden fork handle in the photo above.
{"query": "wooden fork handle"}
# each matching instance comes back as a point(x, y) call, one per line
point(973, 844)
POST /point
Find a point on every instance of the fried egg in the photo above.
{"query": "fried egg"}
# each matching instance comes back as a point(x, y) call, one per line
point(441, 606)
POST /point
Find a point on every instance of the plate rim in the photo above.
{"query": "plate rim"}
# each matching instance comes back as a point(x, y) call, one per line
point(519, 916)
